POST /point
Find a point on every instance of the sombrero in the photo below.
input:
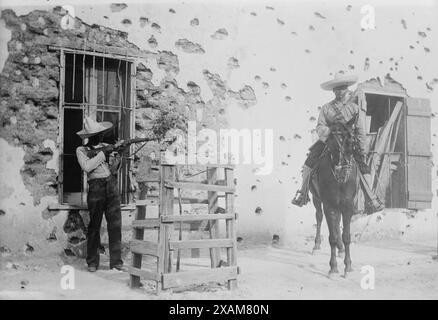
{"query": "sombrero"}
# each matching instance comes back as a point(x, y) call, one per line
point(339, 80)
point(92, 127)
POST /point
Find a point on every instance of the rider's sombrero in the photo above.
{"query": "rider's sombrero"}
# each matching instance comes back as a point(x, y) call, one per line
point(339, 80)
point(92, 127)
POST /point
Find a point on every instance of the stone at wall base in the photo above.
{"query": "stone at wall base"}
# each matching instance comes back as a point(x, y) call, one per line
point(79, 249)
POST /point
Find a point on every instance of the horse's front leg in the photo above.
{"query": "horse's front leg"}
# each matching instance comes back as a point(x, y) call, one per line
point(331, 218)
point(339, 244)
point(319, 217)
point(346, 238)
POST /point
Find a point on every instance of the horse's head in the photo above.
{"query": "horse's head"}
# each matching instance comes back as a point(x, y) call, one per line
point(341, 144)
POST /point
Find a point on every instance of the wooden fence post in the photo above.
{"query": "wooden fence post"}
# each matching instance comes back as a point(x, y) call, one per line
point(215, 254)
point(140, 214)
point(167, 172)
point(231, 230)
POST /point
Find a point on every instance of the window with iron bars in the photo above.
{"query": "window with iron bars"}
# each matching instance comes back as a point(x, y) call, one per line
point(98, 86)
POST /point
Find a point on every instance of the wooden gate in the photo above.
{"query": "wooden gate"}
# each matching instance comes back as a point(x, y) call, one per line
point(166, 275)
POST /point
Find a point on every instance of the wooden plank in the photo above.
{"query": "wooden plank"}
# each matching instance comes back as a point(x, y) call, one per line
point(418, 205)
point(198, 186)
point(382, 142)
point(418, 136)
point(186, 226)
point(230, 227)
point(205, 181)
point(384, 178)
point(193, 201)
point(198, 277)
point(156, 180)
point(154, 200)
point(165, 209)
point(420, 196)
point(138, 234)
point(204, 243)
point(146, 223)
point(178, 258)
point(419, 164)
point(374, 87)
point(146, 202)
point(61, 127)
point(419, 180)
point(187, 200)
point(229, 166)
point(144, 247)
point(214, 226)
point(196, 217)
point(145, 274)
point(59, 206)
point(419, 107)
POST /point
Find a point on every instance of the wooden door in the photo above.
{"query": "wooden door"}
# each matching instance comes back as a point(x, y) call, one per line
point(418, 153)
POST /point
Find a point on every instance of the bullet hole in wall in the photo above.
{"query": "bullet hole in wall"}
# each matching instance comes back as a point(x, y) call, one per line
point(126, 22)
point(258, 211)
point(319, 15)
point(152, 42)
point(52, 235)
point(220, 34)
point(156, 27)
point(117, 7)
point(29, 248)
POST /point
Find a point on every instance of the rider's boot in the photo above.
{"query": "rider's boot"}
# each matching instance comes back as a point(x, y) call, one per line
point(302, 196)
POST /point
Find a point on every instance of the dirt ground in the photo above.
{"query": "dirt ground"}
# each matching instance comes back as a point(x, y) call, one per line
point(402, 271)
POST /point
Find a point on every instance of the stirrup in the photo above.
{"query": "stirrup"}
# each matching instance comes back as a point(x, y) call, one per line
point(300, 199)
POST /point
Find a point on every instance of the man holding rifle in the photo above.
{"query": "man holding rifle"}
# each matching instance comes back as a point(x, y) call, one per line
point(97, 160)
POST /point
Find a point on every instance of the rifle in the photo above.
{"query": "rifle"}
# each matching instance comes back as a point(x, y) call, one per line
point(120, 148)
point(123, 146)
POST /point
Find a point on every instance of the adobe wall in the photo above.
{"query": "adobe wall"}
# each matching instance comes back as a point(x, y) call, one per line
point(29, 98)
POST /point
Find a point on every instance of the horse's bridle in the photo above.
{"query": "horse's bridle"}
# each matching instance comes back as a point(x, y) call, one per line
point(342, 170)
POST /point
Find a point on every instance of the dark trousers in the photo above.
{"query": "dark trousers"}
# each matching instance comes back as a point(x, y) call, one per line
point(104, 196)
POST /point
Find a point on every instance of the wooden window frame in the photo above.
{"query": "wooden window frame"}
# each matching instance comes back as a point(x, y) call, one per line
point(133, 101)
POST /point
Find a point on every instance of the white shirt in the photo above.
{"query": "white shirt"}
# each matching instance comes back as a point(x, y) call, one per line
point(95, 167)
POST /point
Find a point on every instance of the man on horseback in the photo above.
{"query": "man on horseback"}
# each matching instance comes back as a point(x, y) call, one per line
point(340, 111)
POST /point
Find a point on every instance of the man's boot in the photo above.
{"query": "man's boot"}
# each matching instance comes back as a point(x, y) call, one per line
point(302, 196)
point(376, 203)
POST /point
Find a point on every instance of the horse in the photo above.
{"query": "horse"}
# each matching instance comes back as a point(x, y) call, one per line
point(337, 183)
